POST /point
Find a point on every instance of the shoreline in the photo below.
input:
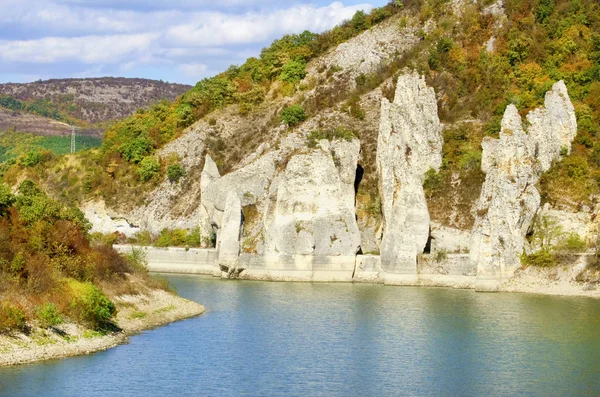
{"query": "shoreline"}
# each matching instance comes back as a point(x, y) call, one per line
point(456, 271)
point(136, 313)
point(528, 281)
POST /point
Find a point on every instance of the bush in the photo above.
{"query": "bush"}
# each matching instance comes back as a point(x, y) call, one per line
point(353, 107)
point(143, 237)
point(433, 180)
point(31, 159)
point(573, 243)
point(543, 258)
point(136, 149)
point(441, 256)
point(148, 168)
point(194, 238)
point(293, 115)
point(339, 133)
point(175, 172)
point(6, 198)
point(12, 318)
point(164, 239)
point(48, 315)
point(137, 260)
point(293, 71)
point(178, 238)
point(91, 306)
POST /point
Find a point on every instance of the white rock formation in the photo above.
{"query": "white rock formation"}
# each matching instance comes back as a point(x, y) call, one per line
point(409, 144)
point(364, 53)
point(449, 239)
point(250, 184)
point(304, 198)
point(509, 198)
point(104, 222)
point(175, 205)
point(497, 11)
point(311, 207)
point(228, 244)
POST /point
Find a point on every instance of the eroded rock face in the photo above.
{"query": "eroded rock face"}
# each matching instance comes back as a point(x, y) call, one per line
point(175, 205)
point(303, 199)
point(509, 199)
point(250, 184)
point(228, 244)
point(409, 144)
point(311, 203)
point(104, 222)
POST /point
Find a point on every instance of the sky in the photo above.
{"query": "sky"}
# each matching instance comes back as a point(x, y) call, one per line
point(179, 41)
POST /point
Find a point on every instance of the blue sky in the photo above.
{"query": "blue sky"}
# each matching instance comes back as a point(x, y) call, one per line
point(174, 40)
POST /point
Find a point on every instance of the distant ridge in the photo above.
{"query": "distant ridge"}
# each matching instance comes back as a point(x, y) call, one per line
point(87, 102)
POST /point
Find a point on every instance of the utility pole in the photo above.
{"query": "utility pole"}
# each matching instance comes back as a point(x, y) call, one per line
point(72, 139)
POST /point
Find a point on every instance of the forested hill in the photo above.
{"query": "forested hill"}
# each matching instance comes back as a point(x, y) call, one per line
point(85, 102)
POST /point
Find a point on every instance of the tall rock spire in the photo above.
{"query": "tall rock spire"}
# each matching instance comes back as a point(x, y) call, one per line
point(409, 144)
point(509, 198)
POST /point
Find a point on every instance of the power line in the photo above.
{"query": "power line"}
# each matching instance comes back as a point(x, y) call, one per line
point(72, 139)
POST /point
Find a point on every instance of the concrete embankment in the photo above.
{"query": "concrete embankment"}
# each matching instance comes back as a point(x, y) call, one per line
point(453, 270)
point(177, 260)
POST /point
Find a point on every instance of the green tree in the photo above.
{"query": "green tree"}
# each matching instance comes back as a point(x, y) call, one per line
point(359, 21)
point(293, 71)
point(175, 172)
point(547, 233)
point(138, 148)
point(6, 199)
point(31, 158)
point(293, 115)
point(148, 168)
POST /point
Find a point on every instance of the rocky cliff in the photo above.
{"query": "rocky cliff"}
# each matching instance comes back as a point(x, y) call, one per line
point(308, 205)
point(311, 203)
point(296, 201)
point(409, 144)
point(510, 198)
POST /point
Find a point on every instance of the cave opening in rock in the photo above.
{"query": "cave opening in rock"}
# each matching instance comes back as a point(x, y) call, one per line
point(427, 249)
point(360, 172)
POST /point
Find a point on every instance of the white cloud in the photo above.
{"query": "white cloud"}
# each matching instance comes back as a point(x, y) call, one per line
point(194, 70)
point(144, 35)
point(89, 49)
point(222, 29)
point(162, 4)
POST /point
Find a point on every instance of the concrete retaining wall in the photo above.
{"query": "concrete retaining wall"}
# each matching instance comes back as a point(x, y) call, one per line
point(297, 268)
point(177, 260)
point(454, 270)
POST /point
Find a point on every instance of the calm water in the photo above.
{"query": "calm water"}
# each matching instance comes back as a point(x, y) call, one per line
point(277, 339)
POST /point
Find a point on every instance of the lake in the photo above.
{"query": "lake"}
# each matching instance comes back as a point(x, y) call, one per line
point(301, 339)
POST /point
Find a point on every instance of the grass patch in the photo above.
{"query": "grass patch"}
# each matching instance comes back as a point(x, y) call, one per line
point(138, 315)
point(165, 309)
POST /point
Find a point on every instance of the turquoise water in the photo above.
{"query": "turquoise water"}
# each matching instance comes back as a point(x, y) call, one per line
point(287, 339)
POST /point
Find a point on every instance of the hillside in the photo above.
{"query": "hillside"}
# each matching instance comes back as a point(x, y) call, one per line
point(319, 98)
point(38, 125)
point(86, 102)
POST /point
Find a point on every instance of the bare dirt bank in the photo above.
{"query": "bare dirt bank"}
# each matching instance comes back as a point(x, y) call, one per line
point(136, 313)
point(570, 280)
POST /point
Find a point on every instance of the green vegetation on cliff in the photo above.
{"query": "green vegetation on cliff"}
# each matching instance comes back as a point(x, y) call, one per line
point(535, 43)
point(539, 43)
point(278, 70)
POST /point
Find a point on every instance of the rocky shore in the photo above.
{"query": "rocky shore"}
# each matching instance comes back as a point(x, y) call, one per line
point(136, 313)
